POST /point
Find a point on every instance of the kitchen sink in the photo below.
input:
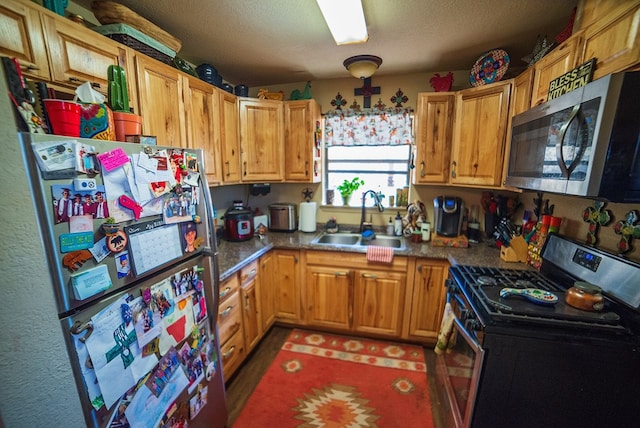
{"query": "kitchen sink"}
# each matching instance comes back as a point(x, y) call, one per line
point(350, 239)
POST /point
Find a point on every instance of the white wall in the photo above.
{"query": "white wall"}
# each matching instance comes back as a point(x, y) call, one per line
point(37, 388)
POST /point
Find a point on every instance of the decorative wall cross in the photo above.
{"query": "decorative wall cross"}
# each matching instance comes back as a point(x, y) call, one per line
point(596, 217)
point(366, 91)
point(627, 229)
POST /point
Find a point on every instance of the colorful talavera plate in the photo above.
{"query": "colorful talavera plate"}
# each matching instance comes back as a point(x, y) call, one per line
point(489, 68)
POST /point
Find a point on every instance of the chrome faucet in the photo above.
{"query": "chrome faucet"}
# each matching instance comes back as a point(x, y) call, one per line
point(378, 201)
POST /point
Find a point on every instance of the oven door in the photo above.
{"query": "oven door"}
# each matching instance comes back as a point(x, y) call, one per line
point(458, 370)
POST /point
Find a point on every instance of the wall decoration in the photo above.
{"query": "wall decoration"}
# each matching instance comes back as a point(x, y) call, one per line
point(596, 216)
point(338, 102)
point(399, 98)
point(571, 80)
point(355, 105)
point(380, 105)
point(489, 68)
point(442, 83)
point(627, 229)
point(366, 91)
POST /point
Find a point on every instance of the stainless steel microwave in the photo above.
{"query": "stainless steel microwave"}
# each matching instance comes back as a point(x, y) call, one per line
point(584, 143)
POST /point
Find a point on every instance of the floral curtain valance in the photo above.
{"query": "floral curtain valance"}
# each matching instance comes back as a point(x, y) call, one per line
point(388, 127)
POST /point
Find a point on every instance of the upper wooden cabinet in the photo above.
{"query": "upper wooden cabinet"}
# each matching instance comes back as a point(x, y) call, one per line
point(78, 54)
point(613, 41)
point(161, 103)
point(261, 140)
point(480, 128)
point(201, 106)
point(303, 162)
point(557, 62)
point(229, 138)
point(434, 129)
point(521, 94)
point(21, 37)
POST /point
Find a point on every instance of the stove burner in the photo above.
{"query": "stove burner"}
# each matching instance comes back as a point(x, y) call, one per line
point(524, 283)
point(486, 280)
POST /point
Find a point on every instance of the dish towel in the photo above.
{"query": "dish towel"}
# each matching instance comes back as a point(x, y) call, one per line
point(446, 327)
point(379, 254)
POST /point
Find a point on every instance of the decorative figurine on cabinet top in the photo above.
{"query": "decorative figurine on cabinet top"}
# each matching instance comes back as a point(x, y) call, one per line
point(442, 83)
point(304, 95)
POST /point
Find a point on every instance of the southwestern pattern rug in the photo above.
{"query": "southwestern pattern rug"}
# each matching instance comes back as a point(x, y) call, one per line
point(329, 381)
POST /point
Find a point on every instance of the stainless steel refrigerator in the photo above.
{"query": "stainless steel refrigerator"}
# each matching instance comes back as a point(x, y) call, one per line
point(130, 245)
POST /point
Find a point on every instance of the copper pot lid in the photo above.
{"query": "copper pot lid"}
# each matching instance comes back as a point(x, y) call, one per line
point(587, 287)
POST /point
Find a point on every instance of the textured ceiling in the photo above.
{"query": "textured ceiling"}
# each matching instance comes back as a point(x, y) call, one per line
point(267, 42)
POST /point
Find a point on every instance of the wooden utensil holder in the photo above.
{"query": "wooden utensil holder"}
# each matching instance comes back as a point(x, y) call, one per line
point(516, 251)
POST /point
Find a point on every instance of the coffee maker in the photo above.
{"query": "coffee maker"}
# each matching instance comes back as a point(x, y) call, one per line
point(448, 213)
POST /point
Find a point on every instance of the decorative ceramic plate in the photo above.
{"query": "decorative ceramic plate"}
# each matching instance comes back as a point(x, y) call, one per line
point(489, 68)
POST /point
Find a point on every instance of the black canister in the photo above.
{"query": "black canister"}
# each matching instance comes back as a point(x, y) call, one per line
point(227, 87)
point(241, 90)
point(207, 73)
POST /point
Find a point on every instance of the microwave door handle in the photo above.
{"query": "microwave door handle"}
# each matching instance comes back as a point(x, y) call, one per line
point(583, 139)
point(560, 145)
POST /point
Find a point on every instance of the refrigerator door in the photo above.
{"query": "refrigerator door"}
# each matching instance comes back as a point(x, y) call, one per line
point(119, 376)
point(87, 261)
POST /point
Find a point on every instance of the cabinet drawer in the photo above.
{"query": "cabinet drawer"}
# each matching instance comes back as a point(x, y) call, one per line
point(232, 353)
point(228, 287)
point(248, 272)
point(229, 317)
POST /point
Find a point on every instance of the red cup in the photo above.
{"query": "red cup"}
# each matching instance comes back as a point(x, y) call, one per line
point(64, 117)
point(554, 224)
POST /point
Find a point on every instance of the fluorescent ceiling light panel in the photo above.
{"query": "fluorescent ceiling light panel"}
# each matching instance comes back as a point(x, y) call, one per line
point(345, 19)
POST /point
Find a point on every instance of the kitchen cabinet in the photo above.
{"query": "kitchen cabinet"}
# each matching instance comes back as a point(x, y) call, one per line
point(479, 134)
point(434, 132)
point(161, 101)
point(614, 40)
point(230, 331)
point(302, 137)
point(425, 300)
point(344, 292)
point(202, 119)
point(267, 291)
point(522, 89)
point(261, 140)
point(288, 292)
point(21, 37)
point(249, 292)
point(557, 62)
point(229, 138)
point(78, 54)
point(329, 296)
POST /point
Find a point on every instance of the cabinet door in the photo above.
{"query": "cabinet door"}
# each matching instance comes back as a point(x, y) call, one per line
point(434, 128)
point(521, 96)
point(261, 140)
point(482, 116)
point(427, 303)
point(557, 62)
point(377, 302)
point(230, 317)
point(78, 55)
point(233, 353)
point(329, 297)
point(21, 37)
point(161, 104)
point(614, 42)
point(300, 120)
point(229, 140)
point(201, 105)
point(267, 291)
point(250, 314)
point(288, 290)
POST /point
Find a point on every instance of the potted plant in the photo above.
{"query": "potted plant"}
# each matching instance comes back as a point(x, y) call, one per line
point(110, 227)
point(347, 188)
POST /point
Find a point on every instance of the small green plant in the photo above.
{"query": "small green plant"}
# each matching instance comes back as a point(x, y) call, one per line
point(348, 187)
point(110, 220)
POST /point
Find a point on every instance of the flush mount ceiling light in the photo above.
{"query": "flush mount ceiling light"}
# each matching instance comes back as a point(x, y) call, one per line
point(362, 66)
point(345, 20)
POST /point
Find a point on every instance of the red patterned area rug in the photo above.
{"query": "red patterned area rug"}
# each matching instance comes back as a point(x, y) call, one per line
point(328, 381)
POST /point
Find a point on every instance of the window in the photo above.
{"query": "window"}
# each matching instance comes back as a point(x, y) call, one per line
point(374, 145)
point(382, 168)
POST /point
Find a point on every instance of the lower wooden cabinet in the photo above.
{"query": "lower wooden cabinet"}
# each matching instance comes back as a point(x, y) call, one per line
point(232, 354)
point(378, 299)
point(250, 303)
point(425, 305)
point(329, 292)
point(267, 291)
point(288, 280)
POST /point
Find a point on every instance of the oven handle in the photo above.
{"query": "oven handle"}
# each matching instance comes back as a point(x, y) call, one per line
point(468, 337)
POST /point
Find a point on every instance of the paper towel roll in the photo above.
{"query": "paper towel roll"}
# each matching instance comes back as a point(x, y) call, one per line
point(307, 212)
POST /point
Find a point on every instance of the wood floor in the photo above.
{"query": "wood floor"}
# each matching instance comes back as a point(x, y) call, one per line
point(244, 381)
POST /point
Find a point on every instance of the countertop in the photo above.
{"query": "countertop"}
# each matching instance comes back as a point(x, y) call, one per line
point(234, 255)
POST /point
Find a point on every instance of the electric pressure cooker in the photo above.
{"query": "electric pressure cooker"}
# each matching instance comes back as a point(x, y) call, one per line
point(238, 223)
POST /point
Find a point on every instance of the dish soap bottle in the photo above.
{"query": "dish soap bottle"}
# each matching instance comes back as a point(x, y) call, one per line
point(397, 228)
point(390, 227)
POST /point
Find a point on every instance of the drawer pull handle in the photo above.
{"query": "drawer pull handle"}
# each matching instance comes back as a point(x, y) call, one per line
point(226, 311)
point(341, 273)
point(74, 79)
point(251, 274)
point(229, 352)
point(33, 67)
point(224, 292)
point(368, 275)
